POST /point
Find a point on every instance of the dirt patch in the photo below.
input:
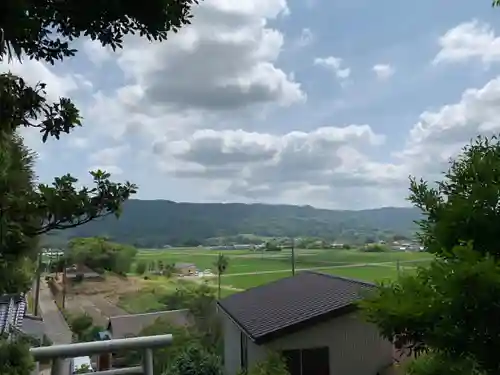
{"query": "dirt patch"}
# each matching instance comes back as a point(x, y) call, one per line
point(111, 287)
point(98, 298)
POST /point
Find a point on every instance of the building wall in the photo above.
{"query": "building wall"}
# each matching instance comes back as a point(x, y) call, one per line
point(187, 270)
point(356, 347)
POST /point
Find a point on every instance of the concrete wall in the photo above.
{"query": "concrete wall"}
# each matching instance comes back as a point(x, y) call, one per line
point(356, 347)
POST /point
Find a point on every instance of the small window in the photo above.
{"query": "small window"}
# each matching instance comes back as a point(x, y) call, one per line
point(243, 351)
point(312, 361)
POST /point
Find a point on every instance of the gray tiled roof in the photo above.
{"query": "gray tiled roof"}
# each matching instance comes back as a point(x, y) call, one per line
point(184, 265)
point(123, 326)
point(265, 311)
point(33, 326)
point(12, 311)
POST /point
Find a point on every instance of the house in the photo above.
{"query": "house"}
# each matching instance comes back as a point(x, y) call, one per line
point(185, 268)
point(123, 326)
point(12, 311)
point(80, 272)
point(14, 319)
point(311, 318)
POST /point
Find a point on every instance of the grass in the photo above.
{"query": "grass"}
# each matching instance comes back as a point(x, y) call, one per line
point(147, 299)
point(246, 261)
point(248, 269)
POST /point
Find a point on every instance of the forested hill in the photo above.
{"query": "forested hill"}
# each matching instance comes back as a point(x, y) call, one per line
point(159, 222)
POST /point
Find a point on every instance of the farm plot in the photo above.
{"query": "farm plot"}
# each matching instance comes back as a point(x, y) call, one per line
point(248, 269)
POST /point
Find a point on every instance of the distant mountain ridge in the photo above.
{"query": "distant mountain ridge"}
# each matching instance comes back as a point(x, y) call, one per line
point(155, 223)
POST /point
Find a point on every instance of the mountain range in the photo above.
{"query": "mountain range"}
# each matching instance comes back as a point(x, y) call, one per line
point(156, 223)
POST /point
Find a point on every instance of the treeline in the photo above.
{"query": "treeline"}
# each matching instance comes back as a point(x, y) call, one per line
point(159, 223)
point(98, 254)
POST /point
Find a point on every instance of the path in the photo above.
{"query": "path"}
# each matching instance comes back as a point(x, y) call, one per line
point(55, 325)
point(325, 267)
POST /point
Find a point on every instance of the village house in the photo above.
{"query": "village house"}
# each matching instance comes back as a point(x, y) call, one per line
point(185, 269)
point(131, 325)
point(311, 318)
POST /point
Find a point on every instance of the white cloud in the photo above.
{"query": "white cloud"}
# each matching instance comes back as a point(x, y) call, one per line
point(58, 85)
point(334, 64)
point(224, 61)
point(96, 52)
point(109, 155)
point(34, 72)
point(439, 135)
point(263, 164)
point(306, 38)
point(189, 109)
point(469, 40)
point(383, 71)
point(78, 142)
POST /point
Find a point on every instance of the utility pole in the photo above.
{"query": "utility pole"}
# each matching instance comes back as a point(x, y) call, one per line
point(64, 285)
point(293, 256)
point(37, 287)
point(398, 268)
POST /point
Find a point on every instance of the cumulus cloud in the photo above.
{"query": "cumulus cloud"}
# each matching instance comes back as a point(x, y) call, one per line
point(188, 106)
point(109, 155)
point(469, 40)
point(224, 61)
point(266, 164)
point(58, 85)
point(334, 64)
point(440, 134)
point(96, 53)
point(383, 71)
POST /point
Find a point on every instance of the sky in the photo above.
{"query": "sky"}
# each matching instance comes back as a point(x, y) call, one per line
point(325, 103)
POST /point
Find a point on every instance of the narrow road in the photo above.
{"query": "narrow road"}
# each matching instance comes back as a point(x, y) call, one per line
point(56, 327)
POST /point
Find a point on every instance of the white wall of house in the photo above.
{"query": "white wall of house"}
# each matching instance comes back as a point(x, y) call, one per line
point(355, 347)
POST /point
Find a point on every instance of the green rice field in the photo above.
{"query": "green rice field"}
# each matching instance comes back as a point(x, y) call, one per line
point(249, 268)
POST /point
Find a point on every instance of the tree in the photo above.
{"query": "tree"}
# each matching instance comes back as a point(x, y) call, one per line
point(15, 357)
point(439, 364)
point(80, 324)
point(163, 357)
point(46, 30)
point(273, 364)
point(221, 265)
point(195, 360)
point(169, 270)
point(448, 309)
point(99, 254)
point(463, 207)
point(375, 248)
point(272, 246)
point(141, 268)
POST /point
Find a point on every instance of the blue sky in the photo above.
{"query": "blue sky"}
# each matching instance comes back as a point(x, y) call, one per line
point(331, 104)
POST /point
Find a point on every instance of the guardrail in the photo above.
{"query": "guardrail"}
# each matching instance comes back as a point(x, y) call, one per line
point(60, 354)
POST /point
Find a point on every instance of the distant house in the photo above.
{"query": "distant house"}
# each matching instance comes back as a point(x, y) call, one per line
point(83, 272)
point(311, 319)
point(185, 268)
point(123, 326)
point(12, 312)
point(15, 320)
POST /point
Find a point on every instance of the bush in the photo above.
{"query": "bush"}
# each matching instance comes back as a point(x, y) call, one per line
point(438, 364)
point(140, 268)
point(272, 365)
point(375, 248)
point(194, 360)
point(15, 358)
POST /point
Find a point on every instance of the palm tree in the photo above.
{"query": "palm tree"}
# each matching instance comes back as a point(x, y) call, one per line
point(221, 265)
